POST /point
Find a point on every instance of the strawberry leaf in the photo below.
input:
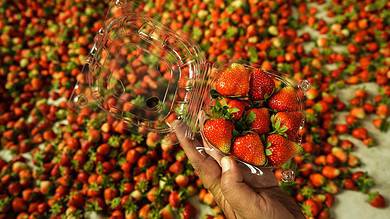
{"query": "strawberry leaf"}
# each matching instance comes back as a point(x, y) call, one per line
point(235, 133)
point(251, 117)
point(233, 110)
point(283, 129)
point(263, 139)
point(223, 102)
point(214, 94)
point(268, 152)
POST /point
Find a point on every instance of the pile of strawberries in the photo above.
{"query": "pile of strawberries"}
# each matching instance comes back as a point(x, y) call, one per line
point(250, 111)
point(57, 164)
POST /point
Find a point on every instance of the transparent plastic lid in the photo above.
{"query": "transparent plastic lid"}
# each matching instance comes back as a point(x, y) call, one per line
point(140, 72)
point(147, 76)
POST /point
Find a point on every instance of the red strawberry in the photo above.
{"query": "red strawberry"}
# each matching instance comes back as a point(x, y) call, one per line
point(261, 123)
point(151, 195)
point(317, 179)
point(189, 211)
point(285, 99)
point(144, 211)
point(174, 199)
point(289, 123)
point(233, 81)
point(261, 85)
point(181, 180)
point(349, 184)
point(330, 172)
point(376, 200)
point(109, 194)
point(76, 200)
point(219, 132)
point(279, 149)
point(249, 149)
point(18, 204)
point(310, 208)
point(238, 108)
point(176, 167)
point(167, 213)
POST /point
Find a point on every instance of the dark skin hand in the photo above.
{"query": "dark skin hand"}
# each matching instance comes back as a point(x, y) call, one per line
point(239, 194)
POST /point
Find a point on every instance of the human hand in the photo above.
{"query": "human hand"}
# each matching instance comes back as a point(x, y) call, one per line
point(239, 194)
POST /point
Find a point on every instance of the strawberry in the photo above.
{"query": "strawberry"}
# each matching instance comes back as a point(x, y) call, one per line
point(132, 156)
point(219, 132)
point(174, 199)
point(329, 200)
point(288, 123)
point(18, 204)
point(237, 108)
point(14, 188)
point(167, 213)
point(189, 211)
point(349, 184)
point(330, 172)
point(234, 81)
point(376, 200)
point(360, 133)
point(285, 99)
point(261, 123)
point(144, 211)
point(182, 180)
point(228, 109)
point(317, 179)
point(324, 214)
point(176, 168)
point(310, 208)
point(76, 200)
point(261, 85)
point(279, 149)
point(249, 149)
point(151, 195)
point(109, 194)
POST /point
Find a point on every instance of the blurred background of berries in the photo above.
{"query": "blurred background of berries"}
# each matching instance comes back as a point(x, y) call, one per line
point(55, 163)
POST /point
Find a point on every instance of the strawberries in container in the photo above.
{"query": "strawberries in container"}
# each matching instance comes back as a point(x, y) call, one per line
point(262, 127)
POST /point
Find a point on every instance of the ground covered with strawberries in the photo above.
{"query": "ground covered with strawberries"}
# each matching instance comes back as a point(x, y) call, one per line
point(55, 163)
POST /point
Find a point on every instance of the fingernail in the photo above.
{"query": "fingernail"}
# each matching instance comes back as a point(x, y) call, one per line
point(225, 163)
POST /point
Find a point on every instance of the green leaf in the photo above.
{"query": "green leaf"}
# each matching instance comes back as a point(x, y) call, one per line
point(233, 110)
point(253, 56)
point(231, 32)
point(137, 138)
point(268, 152)
point(139, 101)
point(115, 202)
point(251, 117)
point(114, 141)
point(235, 133)
point(196, 33)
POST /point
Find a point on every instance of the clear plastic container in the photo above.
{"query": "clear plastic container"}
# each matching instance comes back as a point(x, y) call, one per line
point(148, 76)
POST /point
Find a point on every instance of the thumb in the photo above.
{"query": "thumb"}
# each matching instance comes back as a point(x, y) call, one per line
point(239, 195)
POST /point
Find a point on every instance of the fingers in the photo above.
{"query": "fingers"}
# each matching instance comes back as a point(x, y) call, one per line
point(234, 189)
point(207, 169)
